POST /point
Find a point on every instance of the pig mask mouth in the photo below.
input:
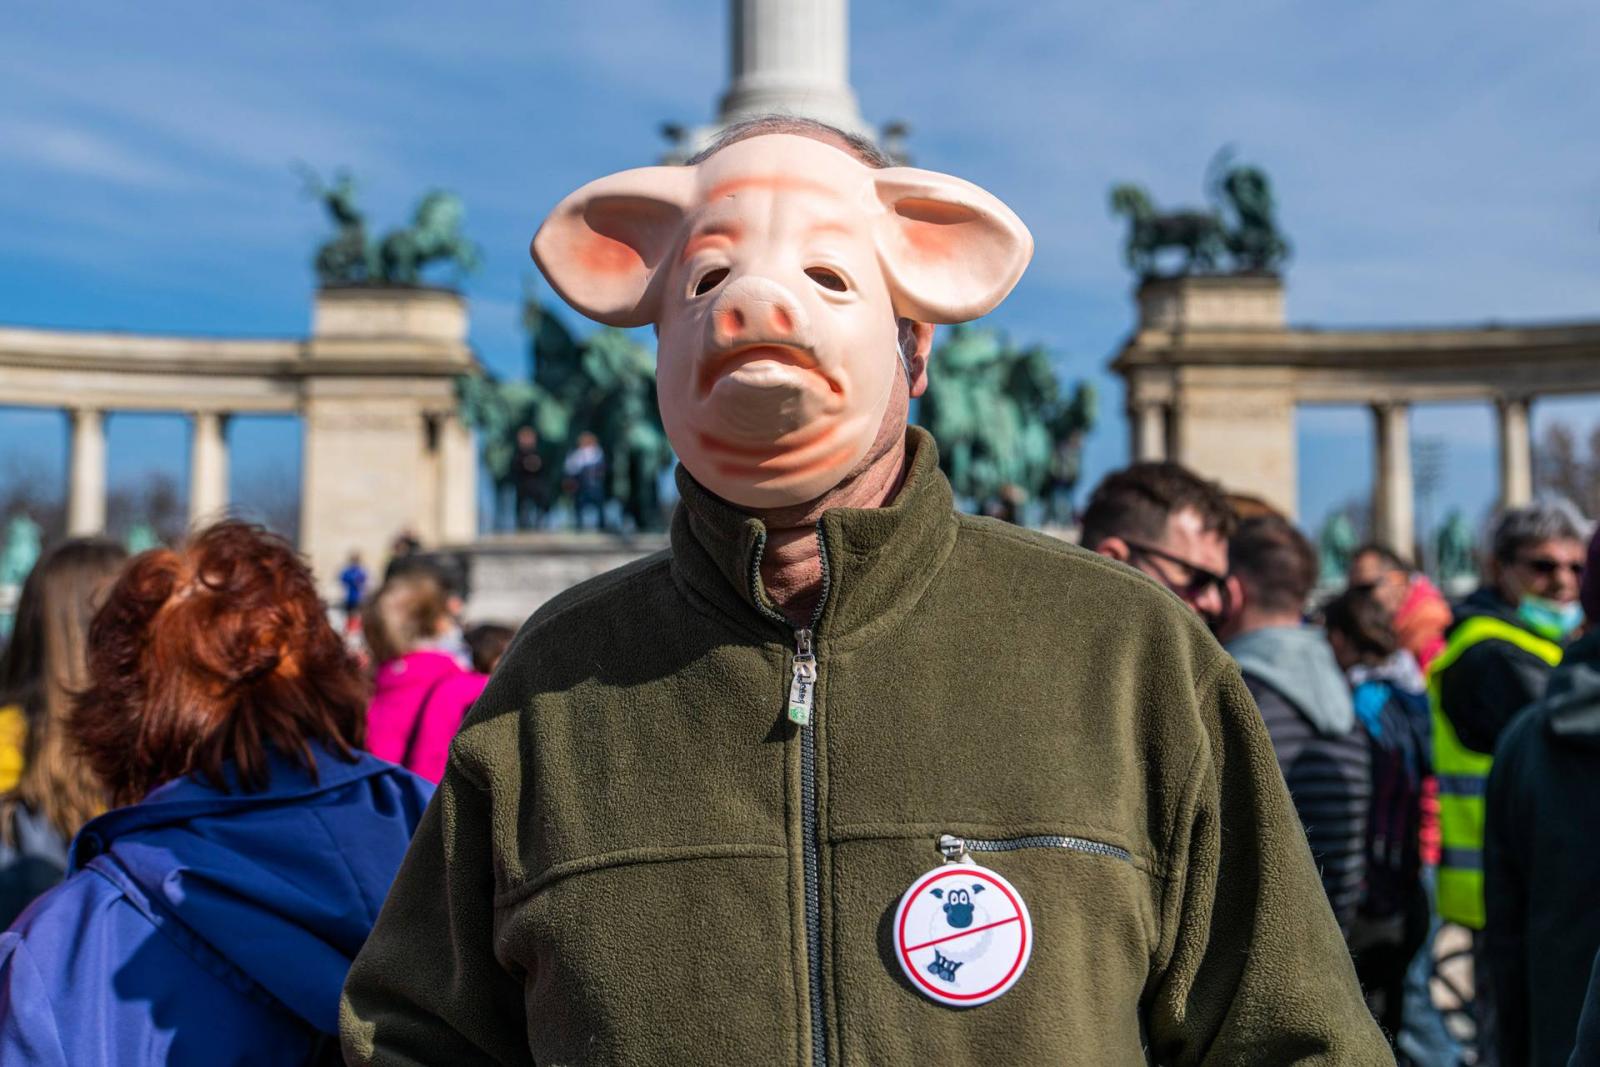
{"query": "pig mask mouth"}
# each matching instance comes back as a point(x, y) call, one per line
point(763, 358)
point(762, 396)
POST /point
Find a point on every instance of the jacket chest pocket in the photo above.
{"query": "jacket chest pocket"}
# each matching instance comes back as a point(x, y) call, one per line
point(1083, 968)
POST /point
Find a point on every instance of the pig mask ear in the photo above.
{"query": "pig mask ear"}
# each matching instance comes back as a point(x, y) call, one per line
point(950, 251)
point(602, 246)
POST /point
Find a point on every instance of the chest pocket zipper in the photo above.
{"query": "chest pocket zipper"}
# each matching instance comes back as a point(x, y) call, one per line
point(955, 849)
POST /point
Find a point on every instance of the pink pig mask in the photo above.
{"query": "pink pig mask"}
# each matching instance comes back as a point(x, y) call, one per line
point(777, 272)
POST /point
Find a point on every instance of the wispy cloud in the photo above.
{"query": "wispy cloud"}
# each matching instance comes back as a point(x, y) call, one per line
point(60, 149)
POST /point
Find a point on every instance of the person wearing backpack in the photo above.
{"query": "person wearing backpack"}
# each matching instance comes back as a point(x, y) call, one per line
point(1391, 705)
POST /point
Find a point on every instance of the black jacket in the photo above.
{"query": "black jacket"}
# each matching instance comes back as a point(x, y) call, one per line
point(1541, 864)
point(1330, 782)
point(1492, 680)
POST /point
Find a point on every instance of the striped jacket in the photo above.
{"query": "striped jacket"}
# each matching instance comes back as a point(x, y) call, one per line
point(1330, 782)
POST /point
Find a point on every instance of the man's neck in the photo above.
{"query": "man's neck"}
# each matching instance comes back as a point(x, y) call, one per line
point(791, 566)
point(1251, 621)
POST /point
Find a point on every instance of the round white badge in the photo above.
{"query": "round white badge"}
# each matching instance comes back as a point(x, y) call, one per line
point(963, 935)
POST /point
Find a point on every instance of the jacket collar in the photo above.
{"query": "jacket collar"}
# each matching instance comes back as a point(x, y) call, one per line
point(190, 797)
point(877, 561)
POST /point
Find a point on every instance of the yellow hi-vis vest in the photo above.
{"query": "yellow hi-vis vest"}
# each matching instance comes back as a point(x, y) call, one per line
point(1464, 774)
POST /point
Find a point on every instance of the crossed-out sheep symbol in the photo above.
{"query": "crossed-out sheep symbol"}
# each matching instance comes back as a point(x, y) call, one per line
point(961, 911)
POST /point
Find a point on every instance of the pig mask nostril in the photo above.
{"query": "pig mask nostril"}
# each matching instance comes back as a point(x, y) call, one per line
point(782, 321)
point(730, 323)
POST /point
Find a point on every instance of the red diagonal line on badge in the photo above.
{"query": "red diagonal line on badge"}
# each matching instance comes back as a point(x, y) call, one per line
point(964, 933)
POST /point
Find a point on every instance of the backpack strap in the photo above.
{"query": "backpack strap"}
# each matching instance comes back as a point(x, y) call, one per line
point(416, 724)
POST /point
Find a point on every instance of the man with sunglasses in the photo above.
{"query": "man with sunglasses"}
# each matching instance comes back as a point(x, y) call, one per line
point(1497, 660)
point(1166, 521)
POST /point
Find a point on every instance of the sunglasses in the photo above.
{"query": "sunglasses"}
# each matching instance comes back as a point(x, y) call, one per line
point(1547, 567)
point(1200, 579)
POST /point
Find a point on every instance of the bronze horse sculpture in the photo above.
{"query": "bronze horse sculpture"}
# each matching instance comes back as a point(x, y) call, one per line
point(1254, 242)
point(349, 258)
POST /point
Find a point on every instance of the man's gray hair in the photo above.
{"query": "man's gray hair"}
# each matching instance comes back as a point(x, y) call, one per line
point(762, 125)
point(1547, 519)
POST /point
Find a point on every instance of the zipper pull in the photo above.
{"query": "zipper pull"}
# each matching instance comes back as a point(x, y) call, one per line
point(803, 688)
point(953, 848)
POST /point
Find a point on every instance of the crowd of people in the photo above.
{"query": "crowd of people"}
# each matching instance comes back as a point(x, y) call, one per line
point(190, 748)
point(204, 795)
point(1442, 759)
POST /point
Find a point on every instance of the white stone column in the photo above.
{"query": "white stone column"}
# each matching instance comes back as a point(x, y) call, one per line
point(1516, 452)
point(792, 57)
point(458, 481)
point(208, 468)
point(1149, 432)
point(1392, 488)
point(86, 487)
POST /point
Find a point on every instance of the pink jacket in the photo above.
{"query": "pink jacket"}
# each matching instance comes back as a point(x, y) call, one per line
point(426, 684)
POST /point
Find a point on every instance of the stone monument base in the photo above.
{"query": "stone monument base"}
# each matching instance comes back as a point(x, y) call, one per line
point(508, 576)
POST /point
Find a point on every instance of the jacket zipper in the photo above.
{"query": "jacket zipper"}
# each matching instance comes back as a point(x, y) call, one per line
point(955, 849)
point(801, 705)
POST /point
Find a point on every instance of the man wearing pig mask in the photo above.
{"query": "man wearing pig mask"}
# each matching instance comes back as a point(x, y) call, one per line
point(844, 776)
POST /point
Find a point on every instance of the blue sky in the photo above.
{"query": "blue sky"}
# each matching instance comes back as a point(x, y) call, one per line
point(1434, 163)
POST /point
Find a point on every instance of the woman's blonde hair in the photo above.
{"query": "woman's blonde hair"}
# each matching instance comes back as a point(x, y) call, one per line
point(43, 669)
point(404, 613)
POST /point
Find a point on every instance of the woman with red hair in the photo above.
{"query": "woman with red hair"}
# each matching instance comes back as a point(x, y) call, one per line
point(212, 917)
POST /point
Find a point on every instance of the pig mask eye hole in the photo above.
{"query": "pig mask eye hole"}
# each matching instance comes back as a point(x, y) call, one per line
point(710, 280)
point(826, 278)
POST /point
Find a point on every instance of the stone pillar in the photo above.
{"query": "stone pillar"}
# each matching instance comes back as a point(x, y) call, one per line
point(1149, 423)
point(1236, 425)
point(381, 366)
point(208, 468)
point(364, 475)
point(791, 57)
point(86, 488)
point(1392, 489)
point(458, 480)
point(1516, 452)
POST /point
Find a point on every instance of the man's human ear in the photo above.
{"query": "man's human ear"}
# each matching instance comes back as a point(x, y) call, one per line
point(1113, 548)
point(1236, 594)
point(916, 342)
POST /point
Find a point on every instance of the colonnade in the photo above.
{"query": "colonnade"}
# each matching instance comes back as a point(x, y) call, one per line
point(1393, 483)
point(1215, 374)
point(449, 466)
point(86, 469)
point(1154, 433)
point(383, 445)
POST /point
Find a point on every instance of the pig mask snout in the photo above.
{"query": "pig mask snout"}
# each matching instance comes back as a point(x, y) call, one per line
point(755, 319)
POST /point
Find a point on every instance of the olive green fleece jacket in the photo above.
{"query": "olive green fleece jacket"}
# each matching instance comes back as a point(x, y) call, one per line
point(615, 867)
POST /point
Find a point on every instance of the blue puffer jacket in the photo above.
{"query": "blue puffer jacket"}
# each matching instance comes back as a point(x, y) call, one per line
point(204, 927)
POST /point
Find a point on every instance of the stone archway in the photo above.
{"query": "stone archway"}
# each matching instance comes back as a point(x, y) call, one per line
point(374, 384)
point(1214, 374)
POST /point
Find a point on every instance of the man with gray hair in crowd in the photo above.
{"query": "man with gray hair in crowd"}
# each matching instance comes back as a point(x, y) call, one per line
point(1497, 659)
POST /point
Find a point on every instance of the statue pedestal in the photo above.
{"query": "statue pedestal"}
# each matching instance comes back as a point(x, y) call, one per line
point(385, 450)
point(510, 575)
point(1196, 394)
point(1212, 301)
